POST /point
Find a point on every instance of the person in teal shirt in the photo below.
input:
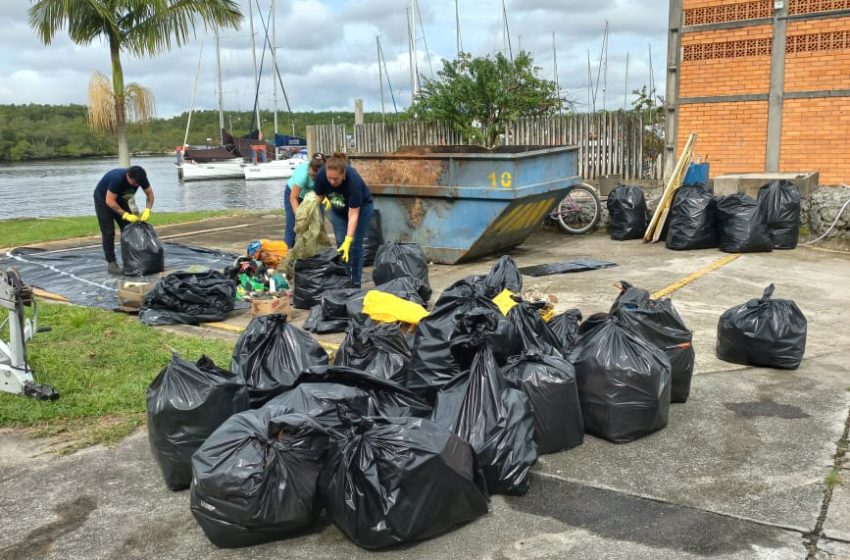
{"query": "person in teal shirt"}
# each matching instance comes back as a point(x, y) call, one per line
point(299, 184)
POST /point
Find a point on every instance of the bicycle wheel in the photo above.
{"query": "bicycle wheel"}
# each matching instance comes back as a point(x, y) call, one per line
point(579, 211)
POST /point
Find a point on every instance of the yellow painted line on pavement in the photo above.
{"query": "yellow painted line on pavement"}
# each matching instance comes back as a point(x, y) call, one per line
point(695, 276)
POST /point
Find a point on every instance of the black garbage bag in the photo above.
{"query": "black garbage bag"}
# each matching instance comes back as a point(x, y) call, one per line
point(494, 418)
point(627, 208)
point(692, 220)
point(592, 322)
point(186, 402)
point(256, 477)
point(321, 389)
point(379, 349)
point(141, 250)
point(396, 260)
point(406, 288)
point(189, 298)
point(504, 275)
point(316, 323)
point(565, 326)
point(623, 383)
point(550, 384)
point(535, 334)
point(398, 480)
point(316, 275)
point(658, 322)
point(763, 332)
point(742, 226)
point(373, 239)
point(271, 354)
point(433, 364)
point(780, 203)
point(335, 302)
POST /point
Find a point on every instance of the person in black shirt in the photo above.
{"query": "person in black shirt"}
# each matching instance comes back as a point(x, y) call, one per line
point(113, 196)
point(351, 210)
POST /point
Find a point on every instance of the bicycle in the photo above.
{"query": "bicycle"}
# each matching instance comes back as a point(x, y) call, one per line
point(578, 212)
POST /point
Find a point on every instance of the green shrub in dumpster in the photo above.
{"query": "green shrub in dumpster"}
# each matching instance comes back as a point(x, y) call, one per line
point(483, 410)
point(623, 383)
point(186, 402)
point(780, 203)
point(763, 332)
point(433, 364)
point(627, 208)
point(549, 382)
point(742, 225)
point(189, 298)
point(271, 354)
point(398, 480)
point(315, 275)
point(255, 478)
point(535, 334)
point(657, 322)
point(397, 260)
point(693, 220)
point(379, 349)
point(565, 326)
point(141, 250)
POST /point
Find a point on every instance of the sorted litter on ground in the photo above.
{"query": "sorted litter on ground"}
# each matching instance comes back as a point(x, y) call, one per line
point(142, 253)
point(80, 275)
point(189, 298)
point(577, 265)
point(763, 332)
point(627, 208)
point(186, 403)
point(268, 251)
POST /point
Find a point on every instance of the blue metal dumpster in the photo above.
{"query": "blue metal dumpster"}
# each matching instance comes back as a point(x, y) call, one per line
point(461, 202)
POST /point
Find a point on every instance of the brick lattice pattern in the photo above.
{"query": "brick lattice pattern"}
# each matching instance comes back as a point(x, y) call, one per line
point(798, 7)
point(830, 41)
point(730, 12)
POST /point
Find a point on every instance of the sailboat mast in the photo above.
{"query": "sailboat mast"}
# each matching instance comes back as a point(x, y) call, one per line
point(457, 28)
point(626, 94)
point(254, 56)
point(274, 64)
point(220, 94)
point(410, 58)
point(380, 75)
point(555, 65)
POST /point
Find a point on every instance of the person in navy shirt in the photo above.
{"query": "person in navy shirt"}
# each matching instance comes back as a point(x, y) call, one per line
point(351, 209)
point(113, 199)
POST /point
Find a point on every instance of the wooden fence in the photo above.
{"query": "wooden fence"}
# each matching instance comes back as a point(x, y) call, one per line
point(608, 143)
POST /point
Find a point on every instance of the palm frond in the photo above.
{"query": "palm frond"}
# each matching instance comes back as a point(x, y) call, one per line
point(101, 109)
point(84, 19)
point(139, 103)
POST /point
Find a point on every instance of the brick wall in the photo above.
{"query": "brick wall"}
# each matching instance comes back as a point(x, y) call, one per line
point(816, 136)
point(731, 135)
point(729, 62)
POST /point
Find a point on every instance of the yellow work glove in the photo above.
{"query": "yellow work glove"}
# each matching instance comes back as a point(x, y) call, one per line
point(327, 204)
point(127, 217)
point(345, 248)
point(146, 214)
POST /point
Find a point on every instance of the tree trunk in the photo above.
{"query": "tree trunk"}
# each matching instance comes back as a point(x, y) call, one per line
point(120, 108)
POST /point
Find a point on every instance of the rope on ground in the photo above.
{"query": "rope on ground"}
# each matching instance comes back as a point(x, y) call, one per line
point(696, 275)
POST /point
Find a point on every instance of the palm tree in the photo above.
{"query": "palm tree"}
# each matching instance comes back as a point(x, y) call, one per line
point(142, 28)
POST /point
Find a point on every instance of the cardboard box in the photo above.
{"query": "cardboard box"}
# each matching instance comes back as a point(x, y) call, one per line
point(131, 294)
point(270, 306)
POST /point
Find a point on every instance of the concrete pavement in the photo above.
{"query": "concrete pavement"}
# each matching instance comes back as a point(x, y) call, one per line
point(739, 472)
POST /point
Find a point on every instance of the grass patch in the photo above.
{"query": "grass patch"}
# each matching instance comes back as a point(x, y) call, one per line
point(24, 231)
point(833, 479)
point(101, 363)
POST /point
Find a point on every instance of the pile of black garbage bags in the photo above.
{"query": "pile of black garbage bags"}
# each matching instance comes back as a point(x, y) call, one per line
point(737, 223)
point(401, 439)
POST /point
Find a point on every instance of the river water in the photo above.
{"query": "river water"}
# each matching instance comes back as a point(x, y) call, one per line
point(65, 187)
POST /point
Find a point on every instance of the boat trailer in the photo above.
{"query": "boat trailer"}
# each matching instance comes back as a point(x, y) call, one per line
point(15, 374)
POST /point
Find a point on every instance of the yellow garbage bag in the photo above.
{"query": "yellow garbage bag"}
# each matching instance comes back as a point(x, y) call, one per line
point(505, 301)
point(387, 308)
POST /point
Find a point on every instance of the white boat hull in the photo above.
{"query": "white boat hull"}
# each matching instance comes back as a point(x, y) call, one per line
point(190, 171)
point(280, 169)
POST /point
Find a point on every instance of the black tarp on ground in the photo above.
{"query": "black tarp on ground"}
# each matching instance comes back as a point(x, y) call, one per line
point(578, 265)
point(189, 298)
point(80, 274)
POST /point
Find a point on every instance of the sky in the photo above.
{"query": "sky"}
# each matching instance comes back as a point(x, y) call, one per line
point(327, 53)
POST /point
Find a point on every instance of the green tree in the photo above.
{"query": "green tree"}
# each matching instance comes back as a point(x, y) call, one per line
point(651, 109)
point(142, 28)
point(480, 95)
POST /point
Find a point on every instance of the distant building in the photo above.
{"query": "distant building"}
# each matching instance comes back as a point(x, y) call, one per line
point(764, 83)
